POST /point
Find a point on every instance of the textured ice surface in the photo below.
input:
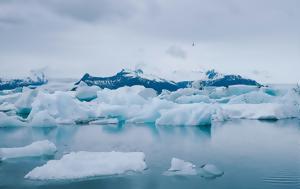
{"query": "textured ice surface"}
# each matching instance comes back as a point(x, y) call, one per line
point(38, 148)
point(43, 119)
point(181, 167)
point(10, 121)
point(137, 104)
point(89, 164)
point(86, 93)
point(23, 104)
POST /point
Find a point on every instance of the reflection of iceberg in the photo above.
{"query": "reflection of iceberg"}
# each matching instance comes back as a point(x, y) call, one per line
point(89, 164)
point(38, 148)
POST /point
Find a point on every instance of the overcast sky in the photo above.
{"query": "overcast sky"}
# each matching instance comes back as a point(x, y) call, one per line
point(255, 38)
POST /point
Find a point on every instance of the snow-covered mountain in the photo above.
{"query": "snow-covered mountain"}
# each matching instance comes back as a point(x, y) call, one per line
point(130, 78)
point(36, 79)
point(138, 77)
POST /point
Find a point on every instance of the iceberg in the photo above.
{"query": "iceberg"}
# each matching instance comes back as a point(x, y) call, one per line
point(85, 92)
point(210, 171)
point(38, 148)
point(137, 104)
point(264, 111)
point(84, 164)
point(43, 119)
point(23, 104)
point(181, 167)
point(188, 114)
point(61, 106)
point(10, 121)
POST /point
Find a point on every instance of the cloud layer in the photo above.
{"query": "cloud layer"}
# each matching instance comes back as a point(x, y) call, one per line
point(72, 37)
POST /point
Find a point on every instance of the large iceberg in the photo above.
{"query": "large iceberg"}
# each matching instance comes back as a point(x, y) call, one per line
point(83, 164)
point(137, 104)
point(10, 121)
point(38, 148)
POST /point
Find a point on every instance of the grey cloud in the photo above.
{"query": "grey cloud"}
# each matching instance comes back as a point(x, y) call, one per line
point(92, 10)
point(176, 52)
point(99, 35)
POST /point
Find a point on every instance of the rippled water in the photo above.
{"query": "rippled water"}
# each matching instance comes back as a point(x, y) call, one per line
point(253, 154)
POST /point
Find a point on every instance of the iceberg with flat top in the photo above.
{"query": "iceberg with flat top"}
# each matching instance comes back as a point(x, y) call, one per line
point(78, 165)
point(38, 148)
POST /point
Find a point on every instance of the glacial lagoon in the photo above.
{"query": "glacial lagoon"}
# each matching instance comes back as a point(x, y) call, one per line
point(253, 154)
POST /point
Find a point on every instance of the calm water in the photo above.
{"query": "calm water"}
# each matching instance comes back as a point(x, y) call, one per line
point(253, 154)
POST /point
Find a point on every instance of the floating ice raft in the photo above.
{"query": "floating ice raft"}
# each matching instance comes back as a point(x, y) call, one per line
point(38, 148)
point(83, 164)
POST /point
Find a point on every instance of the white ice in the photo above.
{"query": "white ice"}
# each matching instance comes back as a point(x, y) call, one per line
point(104, 121)
point(38, 148)
point(138, 104)
point(83, 164)
point(181, 167)
point(10, 121)
point(85, 92)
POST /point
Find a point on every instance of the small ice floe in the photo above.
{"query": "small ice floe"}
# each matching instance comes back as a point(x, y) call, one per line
point(77, 165)
point(105, 121)
point(181, 167)
point(210, 171)
point(38, 148)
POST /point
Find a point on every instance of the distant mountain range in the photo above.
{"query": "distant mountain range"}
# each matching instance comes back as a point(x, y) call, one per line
point(35, 80)
point(137, 77)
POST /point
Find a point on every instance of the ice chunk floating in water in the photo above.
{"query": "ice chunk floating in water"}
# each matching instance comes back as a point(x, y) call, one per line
point(89, 164)
point(181, 167)
point(38, 148)
point(210, 171)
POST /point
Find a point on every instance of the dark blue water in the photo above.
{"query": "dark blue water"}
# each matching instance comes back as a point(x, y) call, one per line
point(253, 154)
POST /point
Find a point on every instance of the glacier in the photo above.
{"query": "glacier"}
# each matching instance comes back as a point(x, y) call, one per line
point(38, 148)
point(137, 104)
point(193, 105)
point(84, 164)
